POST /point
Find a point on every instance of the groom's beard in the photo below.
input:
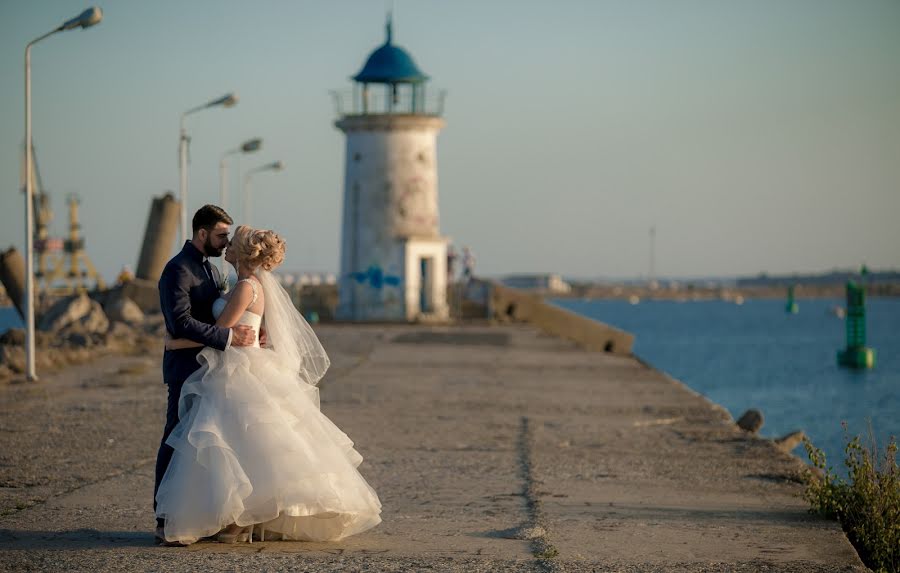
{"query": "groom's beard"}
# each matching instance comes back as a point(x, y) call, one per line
point(210, 250)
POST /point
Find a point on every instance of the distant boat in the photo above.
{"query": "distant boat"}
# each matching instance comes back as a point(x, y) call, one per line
point(838, 311)
point(634, 299)
point(739, 300)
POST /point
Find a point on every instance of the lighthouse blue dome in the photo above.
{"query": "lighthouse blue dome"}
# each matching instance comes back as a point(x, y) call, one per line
point(390, 64)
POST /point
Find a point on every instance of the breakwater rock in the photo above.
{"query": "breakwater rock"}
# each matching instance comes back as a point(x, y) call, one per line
point(751, 421)
point(80, 328)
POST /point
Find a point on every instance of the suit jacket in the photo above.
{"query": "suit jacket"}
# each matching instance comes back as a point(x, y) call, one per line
point(186, 296)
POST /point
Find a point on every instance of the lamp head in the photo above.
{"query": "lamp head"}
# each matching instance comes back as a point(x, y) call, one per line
point(228, 100)
point(251, 145)
point(86, 19)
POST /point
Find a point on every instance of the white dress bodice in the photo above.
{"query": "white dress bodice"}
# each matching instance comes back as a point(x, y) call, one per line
point(251, 319)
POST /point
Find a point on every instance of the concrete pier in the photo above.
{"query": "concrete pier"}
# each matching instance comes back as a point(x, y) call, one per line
point(159, 235)
point(12, 276)
point(492, 449)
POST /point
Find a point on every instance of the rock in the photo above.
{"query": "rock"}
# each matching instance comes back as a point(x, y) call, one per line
point(65, 312)
point(16, 337)
point(13, 357)
point(45, 339)
point(78, 339)
point(816, 473)
point(144, 293)
point(13, 337)
point(119, 329)
point(790, 441)
point(124, 337)
point(121, 308)
point(154, 325)
point(522, 532)
point(751, 421)
point(95, 322)
point(79, 310)
point(5, 372)
point(47, 360)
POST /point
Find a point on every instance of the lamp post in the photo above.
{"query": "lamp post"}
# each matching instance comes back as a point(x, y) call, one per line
point(228, 100)
point(248, 146)
point(274, 166)
point(86, 19)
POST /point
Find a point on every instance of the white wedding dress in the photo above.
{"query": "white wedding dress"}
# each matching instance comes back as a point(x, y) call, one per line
point(253, 448)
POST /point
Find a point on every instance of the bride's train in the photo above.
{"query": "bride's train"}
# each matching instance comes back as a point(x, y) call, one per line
point(253, 448)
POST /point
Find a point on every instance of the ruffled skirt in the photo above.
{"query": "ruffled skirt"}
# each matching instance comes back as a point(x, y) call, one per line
point(252, 447)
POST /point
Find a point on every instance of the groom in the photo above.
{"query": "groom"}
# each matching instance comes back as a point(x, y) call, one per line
point(187, 289)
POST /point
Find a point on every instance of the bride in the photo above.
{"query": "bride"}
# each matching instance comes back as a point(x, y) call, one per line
point(254, 455)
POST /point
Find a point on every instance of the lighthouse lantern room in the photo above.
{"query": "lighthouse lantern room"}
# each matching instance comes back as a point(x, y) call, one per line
point(393, 257)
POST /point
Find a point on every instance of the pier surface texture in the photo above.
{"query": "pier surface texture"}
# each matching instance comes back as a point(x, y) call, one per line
point(492, 449)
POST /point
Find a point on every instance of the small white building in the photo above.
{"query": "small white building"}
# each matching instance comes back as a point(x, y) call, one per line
point(393, 257)
point(551, 283)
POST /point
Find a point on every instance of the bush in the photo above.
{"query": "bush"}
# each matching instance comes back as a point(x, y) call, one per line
point(868, 505)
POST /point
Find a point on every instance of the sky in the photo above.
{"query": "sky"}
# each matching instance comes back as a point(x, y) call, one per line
point(755, 136)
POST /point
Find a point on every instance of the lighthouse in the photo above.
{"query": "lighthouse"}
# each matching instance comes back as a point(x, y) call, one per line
point(393, 257)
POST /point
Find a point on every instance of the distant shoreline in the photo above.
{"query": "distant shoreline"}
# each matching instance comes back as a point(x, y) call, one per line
point(687, 293)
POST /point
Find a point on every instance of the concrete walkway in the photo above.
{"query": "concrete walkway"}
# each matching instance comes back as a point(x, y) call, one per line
point(492, 449)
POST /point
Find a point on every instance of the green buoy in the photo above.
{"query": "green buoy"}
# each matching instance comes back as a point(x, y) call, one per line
point(791, 306)
point(856, 355)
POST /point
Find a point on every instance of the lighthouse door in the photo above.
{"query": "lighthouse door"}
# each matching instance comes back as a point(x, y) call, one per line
point(426, 285)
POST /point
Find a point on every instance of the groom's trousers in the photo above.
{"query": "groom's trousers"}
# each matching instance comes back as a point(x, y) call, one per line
point(164, 456)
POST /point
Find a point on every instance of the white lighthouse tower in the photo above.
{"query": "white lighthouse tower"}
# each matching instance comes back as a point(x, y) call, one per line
point(393, 257)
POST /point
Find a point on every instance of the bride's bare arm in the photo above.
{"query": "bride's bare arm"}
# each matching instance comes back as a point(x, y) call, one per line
point(238, 302)
point(240, 299)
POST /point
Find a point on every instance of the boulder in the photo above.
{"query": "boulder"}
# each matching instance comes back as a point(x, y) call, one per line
point(122, 309)
point(751, 421)
point(65, 312)
point(154, 325)
point(121, 335)
point(13, 337)
point(144, 293)
point(78, 338)
point(16, 337)
point(13, 357)
point(79, 310)
point(790, 441)
point(95, 321)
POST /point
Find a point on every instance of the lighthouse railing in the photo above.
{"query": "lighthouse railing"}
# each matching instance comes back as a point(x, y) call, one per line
point(381, 100)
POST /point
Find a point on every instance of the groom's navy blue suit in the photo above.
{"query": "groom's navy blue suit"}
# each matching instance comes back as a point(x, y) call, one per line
point(187, 289)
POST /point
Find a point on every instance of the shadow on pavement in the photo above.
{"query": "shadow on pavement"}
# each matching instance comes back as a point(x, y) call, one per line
point(12, 540)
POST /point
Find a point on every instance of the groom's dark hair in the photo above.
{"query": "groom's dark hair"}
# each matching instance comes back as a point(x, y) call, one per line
point(207, 216)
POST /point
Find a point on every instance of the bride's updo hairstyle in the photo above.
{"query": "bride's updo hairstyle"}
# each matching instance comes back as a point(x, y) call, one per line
point(258, 248)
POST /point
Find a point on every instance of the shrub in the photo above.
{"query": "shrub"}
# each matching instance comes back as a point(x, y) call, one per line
point(868, 505)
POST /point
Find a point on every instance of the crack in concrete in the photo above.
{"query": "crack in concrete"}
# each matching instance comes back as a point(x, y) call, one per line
point(535, 528)
point(111, 475)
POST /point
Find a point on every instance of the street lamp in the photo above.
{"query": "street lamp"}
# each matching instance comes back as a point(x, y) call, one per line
point(274, 166)
point(248, 146)
point(228, 100)
point(86, 19)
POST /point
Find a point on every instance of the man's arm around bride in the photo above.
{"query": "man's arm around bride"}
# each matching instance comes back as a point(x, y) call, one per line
point(188, 332)
point(240, 299)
